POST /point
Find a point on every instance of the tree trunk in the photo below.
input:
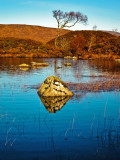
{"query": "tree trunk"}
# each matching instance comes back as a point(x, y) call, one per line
point(56, 39)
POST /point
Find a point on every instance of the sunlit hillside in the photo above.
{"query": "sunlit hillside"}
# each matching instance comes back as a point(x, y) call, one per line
point(36, 41)
point(37, 33)
point(89, 42)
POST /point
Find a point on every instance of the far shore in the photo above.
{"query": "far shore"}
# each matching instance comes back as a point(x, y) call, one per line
point(84, 57)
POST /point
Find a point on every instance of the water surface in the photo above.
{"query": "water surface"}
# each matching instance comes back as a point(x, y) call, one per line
point(83, 127)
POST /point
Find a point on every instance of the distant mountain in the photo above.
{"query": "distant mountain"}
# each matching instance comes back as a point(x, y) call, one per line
point(37, 33)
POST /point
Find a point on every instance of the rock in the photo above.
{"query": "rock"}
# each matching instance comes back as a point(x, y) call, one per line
point(53, 104)
point(117, 60)
point(42, 64)
point(34, 63)
point(68, 64)
point(39, 64)
point(80, 57)
point(68, 57)
point(58, 67)
point(53, 86)
point(74, 58)
point(24, 65)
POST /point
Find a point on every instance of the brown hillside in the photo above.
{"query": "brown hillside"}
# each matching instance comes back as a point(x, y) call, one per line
point(37, 33)
point(101, 35)
point(90, 43)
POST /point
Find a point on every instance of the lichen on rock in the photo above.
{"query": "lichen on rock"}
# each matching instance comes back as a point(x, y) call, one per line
point(53, 86)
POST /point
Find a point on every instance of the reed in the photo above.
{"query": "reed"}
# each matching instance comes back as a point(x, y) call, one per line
point(106, 83)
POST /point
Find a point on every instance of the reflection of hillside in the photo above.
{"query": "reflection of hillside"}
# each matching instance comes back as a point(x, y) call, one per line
point(93, 70)
point(105, 66)
point(11, 65)
point(53, 104)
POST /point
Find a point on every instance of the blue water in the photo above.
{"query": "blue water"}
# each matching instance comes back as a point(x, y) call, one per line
point(86, 127)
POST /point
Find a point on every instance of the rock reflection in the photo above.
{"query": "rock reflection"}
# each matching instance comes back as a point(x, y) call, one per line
point(54, 104)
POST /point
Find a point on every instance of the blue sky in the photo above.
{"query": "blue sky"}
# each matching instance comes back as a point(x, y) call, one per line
point(103, 13)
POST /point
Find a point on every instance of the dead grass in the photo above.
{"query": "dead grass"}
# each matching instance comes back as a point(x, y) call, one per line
point(107, 83)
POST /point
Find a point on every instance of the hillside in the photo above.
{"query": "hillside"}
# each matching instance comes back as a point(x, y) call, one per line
point(84, 43)
point(23, 48)
point(86, 34)
point(37, 33)
point(36, 41)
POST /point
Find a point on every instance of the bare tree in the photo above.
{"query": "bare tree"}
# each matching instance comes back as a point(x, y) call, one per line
point(68, 19)
point(115, 31)
point(94, 27)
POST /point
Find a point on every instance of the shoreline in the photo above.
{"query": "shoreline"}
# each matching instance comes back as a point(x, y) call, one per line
point(84, 57)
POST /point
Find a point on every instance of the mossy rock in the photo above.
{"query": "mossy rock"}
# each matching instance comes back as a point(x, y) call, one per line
point(53, 86)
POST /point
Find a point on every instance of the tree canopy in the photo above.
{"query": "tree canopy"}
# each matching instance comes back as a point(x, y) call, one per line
point(69, 19)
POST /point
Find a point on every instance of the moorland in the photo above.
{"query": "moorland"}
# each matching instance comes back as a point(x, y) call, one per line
point(35, 41)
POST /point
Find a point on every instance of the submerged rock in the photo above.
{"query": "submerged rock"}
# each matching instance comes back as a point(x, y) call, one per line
point(53, 104)
point(53, 87)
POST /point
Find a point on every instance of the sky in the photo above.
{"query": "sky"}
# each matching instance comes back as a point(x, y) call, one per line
point(105, 14)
